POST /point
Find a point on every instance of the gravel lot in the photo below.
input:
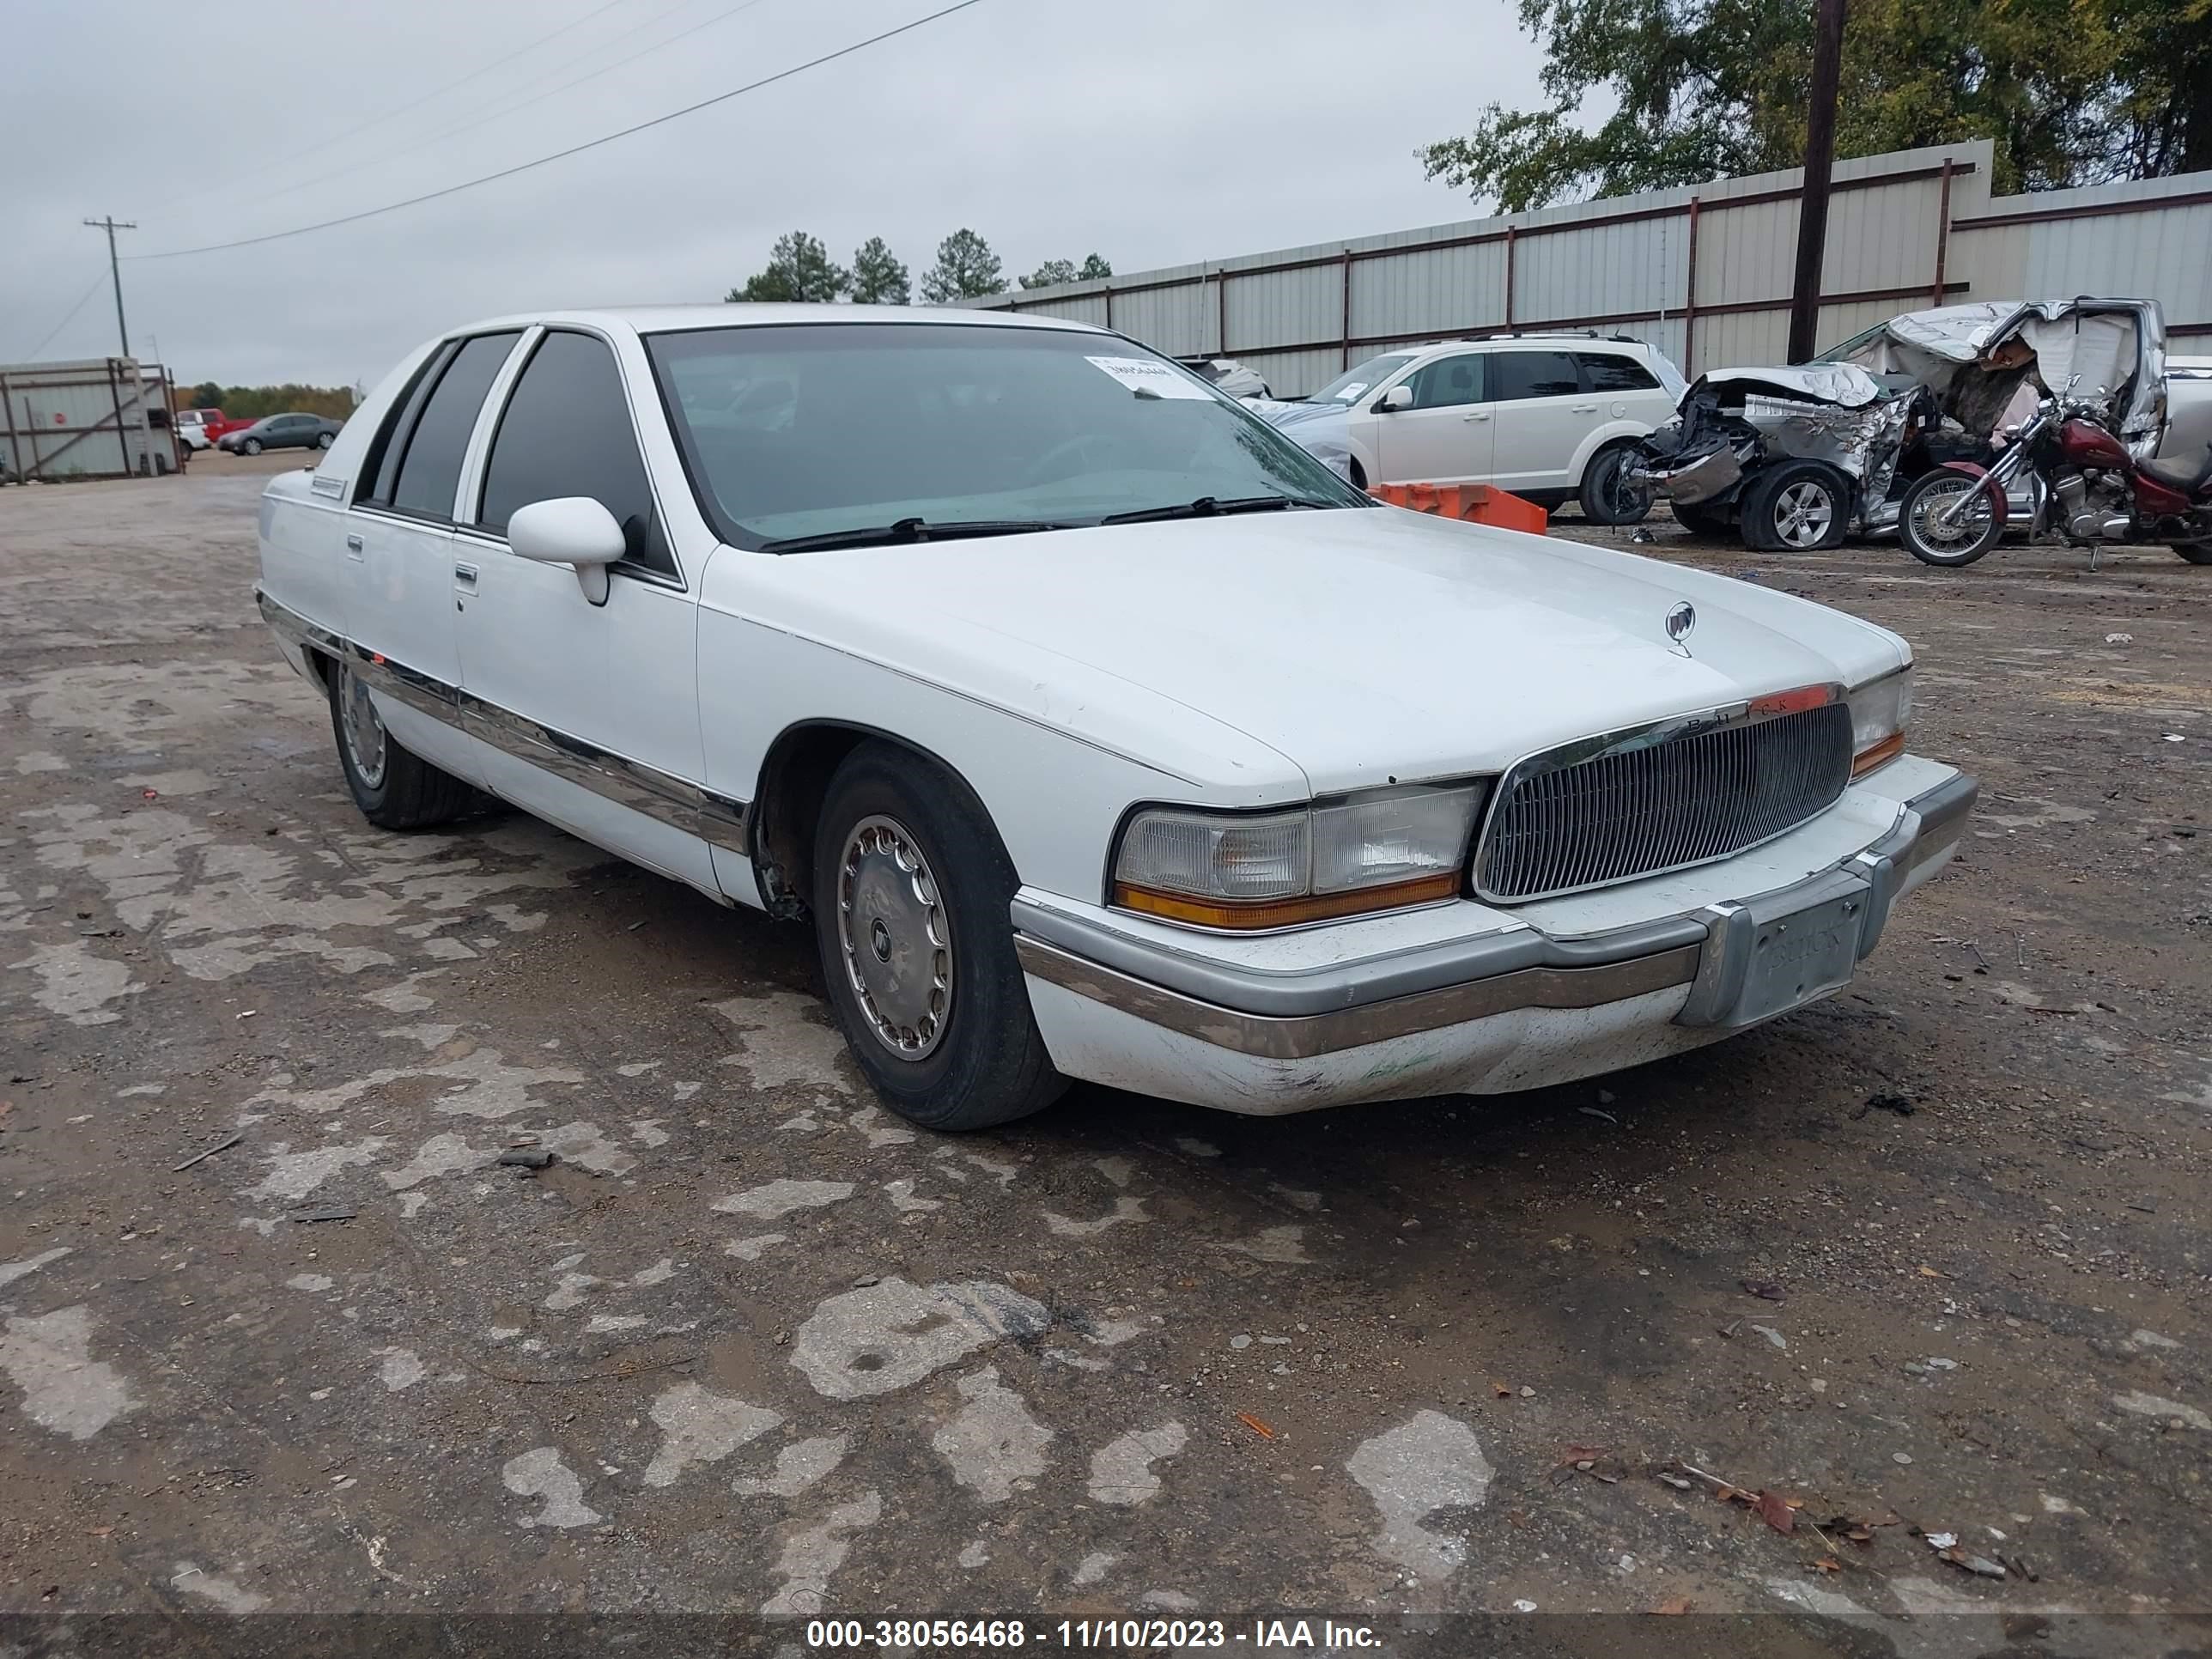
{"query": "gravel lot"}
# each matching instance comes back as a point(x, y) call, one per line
point(1929, 1257)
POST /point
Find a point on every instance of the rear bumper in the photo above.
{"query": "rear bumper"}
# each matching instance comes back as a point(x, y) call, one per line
point(1502, 1010)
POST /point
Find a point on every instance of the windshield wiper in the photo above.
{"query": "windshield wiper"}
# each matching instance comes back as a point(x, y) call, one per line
point(1207, 507)
point(910, 529)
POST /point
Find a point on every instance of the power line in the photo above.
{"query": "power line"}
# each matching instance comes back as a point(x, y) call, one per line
point(382, 156)
point(98, 283)
point(401, 109)
point(573, 150)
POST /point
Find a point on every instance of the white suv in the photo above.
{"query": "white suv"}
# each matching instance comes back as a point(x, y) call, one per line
point(1547, 416)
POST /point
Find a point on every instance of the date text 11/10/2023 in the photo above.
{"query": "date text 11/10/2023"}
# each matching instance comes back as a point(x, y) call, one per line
point(1127, 1635)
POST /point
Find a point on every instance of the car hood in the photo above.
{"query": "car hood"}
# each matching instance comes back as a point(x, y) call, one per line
point(1361, 646)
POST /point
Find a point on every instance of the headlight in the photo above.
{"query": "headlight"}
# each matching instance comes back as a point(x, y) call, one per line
point(1377, 851)
point(1880, 713)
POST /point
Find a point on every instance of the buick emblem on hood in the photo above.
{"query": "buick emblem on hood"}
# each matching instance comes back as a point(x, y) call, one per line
point(1681, 623)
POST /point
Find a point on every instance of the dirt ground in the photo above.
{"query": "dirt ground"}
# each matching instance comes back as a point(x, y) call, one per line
point(1929, 1258)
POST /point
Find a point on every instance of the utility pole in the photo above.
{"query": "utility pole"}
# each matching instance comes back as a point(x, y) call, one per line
point(111, 225)
point(1819, 159)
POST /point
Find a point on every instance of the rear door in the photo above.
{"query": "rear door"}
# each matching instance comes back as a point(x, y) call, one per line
point(399, 548)
point(1445, 435)
point(1624, 389)
point(589, 713)
point(1543, 414)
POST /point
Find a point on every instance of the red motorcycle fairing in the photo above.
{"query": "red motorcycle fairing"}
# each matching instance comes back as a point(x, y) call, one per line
point(1990, 488)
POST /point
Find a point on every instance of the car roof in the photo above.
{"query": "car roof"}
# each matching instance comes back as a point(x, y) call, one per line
point(667, 320)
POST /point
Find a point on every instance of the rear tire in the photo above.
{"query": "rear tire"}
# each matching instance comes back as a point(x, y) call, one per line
point(1926, 540)
point(1606, 495)
point(394, 788)
point(910, 890)
point(2194, 552)
point(1798, 506)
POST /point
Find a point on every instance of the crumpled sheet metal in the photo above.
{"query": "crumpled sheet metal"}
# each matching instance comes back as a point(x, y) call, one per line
point(1863, 441)
point(1843, 384)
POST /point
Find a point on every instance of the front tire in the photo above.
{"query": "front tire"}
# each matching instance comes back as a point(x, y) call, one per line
point(323, 441)
point(1799, 507)
point(910, 890)
point(395, 787)
point(1951, 547)
point(1606, 496)
point(1700, 520)
point(250, 446)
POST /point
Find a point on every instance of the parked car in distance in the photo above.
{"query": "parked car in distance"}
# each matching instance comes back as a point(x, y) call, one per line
point(282, 432)
point(1551, 417)
point(198, 429)
point(1098, 731)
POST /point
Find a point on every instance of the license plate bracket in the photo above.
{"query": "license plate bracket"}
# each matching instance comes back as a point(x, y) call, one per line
point(1767, 956)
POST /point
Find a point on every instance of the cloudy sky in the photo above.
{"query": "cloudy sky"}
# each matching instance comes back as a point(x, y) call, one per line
point(1155, 131)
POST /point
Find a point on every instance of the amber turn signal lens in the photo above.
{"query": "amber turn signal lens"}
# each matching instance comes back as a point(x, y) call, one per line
point(1880, 754)
point(1283, 913)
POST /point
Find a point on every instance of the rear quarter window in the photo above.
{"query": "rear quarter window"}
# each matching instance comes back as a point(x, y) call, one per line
point(1607, 371)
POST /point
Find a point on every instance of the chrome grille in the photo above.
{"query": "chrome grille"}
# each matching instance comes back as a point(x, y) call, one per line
point(1644, 807)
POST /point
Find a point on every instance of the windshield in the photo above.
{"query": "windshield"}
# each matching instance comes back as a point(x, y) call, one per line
point(821, 429)
point(1353, 382)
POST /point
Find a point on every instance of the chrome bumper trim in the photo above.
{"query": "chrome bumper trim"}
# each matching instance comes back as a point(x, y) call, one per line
point(1302, 1015)
point(666, 798)
point(1307, 1036)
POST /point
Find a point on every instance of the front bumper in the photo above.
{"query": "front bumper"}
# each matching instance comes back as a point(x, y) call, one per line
point(1512, 1008)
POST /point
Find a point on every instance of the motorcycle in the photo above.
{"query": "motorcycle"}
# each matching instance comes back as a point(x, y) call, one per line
point(2093, 490)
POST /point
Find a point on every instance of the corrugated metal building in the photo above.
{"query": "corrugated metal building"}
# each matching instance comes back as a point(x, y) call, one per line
point(101, 417)
point(1703, 272)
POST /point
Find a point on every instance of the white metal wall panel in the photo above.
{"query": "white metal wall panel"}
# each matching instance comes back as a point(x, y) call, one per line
point(1428, 294)
point(2115, 254)
point(1606, 271)
point(1174, 321)
point(1625, 265)
point(1286, 307)
point(1077, 308)
point(1295, 373)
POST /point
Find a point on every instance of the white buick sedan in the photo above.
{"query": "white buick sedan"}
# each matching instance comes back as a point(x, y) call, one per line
point(1097, 729)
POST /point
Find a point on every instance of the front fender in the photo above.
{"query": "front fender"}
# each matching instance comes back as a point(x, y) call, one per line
point(1990, 488)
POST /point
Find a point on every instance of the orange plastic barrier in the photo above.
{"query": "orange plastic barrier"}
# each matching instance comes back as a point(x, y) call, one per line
point(1477, 502)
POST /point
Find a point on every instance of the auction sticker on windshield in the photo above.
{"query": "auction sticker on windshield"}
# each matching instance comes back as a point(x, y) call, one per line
point(1157, 378)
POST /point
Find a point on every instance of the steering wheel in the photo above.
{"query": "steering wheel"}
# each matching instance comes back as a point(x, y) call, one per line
point(1040, 470)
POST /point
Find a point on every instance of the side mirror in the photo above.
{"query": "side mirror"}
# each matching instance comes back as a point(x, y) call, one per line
point(571, 529)
point(1398, 396)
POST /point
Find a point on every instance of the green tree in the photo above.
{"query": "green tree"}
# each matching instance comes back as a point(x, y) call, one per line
point(2163, 71)
point(1700, 90)
point(206, 395)
point(799, 269)
point(878, 277)
point(1054, 271)
point(966, 268)
point(1050, 274)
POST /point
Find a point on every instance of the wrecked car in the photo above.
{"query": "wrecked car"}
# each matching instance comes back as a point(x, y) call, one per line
point(1796, 458)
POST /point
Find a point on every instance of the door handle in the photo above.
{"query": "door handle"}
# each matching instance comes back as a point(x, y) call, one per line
point(1480, 414)
point(353, 541)
point(465, 574)
point(1584, 408)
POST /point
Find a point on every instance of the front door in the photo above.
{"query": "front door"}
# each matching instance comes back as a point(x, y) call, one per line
point(588, 712)
point(1445, 436)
